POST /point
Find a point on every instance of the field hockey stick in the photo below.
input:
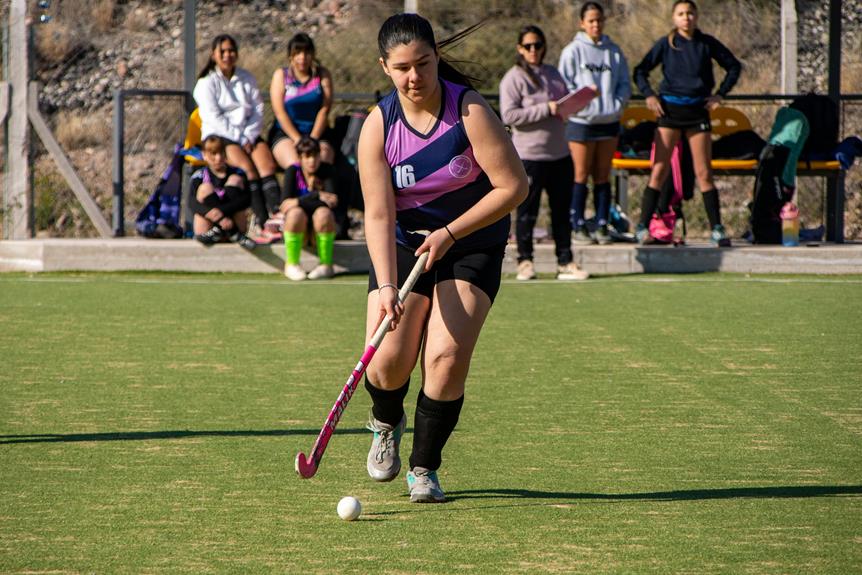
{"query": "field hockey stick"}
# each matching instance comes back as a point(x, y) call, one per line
point(306, 467)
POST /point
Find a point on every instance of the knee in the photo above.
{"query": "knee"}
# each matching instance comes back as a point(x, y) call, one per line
point(323, 217)
point(385, 376)
point(295, 220)
point(444, 361)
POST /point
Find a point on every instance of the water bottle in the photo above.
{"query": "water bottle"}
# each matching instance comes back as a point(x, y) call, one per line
point(790, 224)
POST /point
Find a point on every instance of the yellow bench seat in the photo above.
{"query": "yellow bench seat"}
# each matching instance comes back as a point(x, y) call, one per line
point(644, 164)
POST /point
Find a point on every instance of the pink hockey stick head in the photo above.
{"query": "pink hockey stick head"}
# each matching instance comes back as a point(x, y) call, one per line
point(304, 467)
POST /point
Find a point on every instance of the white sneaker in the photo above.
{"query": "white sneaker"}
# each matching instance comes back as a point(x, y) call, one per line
point(294, 272)
point(383, 461)
point(424, 486)
point(526, 271)
point(571, 272)
point(321, 272)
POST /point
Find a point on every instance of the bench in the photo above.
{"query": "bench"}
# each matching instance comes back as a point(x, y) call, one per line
point(726, 120)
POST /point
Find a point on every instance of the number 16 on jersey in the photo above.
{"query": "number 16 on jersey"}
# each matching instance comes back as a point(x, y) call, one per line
point(404, 177)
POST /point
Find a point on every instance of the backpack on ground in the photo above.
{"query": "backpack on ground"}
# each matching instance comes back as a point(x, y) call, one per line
point(676, 189)
point(160, 218)
point(775, 180)
point(822, 114)
point(770, 194)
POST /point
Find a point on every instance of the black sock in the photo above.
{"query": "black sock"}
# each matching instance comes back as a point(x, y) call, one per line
point(713, 208)
point(271, 193)
point(602, 202)
point(434, 423)
point(387, 404)
point(648, 204)
point(665, 197)
point(258, 205)
point(579, 204)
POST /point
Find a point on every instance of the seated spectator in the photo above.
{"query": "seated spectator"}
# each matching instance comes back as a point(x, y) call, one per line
point(231, 108)
point(301, 96)
point(309, 196)
point(219, 198)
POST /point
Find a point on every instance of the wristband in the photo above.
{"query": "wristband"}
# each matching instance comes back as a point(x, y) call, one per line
point(393, 286)
point(451, 235)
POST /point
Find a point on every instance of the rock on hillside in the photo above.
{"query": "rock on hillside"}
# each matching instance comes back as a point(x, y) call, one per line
point(143, 46)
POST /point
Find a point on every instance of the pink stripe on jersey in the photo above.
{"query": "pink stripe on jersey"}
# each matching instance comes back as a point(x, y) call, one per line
point(429, 189)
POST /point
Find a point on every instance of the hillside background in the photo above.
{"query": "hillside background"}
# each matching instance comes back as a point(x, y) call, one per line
point(90, 48)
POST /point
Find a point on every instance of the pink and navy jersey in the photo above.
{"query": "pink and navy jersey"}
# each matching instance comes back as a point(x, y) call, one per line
point(302, 102)
point(435, 175)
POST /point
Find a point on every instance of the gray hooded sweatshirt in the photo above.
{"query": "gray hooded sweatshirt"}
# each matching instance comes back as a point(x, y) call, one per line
point(584, 63)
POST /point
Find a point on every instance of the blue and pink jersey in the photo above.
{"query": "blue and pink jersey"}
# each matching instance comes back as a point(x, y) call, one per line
point(435, 175)
point(302, 102)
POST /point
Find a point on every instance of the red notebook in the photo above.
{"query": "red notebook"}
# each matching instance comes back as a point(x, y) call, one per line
point(574, 102)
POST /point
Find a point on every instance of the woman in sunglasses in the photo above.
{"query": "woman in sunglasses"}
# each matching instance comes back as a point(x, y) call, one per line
point(528, 104)
point(593, 59)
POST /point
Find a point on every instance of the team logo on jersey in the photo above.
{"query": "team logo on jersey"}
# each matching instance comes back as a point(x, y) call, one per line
point(460, 166)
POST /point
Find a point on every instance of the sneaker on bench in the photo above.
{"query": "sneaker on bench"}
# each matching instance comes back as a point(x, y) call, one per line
point(719, 237)
point(212, 236)
point(321, 272)
point(243, 240)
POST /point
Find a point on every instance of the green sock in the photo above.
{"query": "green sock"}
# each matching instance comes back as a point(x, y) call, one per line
point(292, 247)
point(325, 245)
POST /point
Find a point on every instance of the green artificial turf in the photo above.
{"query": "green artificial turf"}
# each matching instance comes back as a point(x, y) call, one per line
point(684, 424)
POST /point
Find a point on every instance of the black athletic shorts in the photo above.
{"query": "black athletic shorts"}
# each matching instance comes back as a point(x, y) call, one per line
point(233, 201)
point(480, 268)
point(276, 134)
point(310, 202)
point(577, 132)
point(687, 117)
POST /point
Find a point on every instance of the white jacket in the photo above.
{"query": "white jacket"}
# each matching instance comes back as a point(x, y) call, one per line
point(232, 109)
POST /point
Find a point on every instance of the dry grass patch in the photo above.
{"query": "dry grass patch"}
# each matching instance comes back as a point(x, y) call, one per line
point(76, 130)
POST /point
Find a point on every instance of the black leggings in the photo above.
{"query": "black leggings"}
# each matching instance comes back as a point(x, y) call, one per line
point(555, 177)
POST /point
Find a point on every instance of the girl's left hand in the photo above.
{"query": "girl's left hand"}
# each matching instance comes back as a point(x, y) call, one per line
point(713, 102)
point(329, 199)
point(437, 243)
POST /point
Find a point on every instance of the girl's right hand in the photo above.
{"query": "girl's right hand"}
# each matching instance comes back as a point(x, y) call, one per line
point(390, 305)
point(654, 104)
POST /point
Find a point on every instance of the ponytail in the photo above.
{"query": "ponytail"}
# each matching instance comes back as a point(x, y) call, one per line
point(405, 28)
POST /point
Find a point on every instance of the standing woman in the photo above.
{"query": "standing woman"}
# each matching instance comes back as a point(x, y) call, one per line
point(528, 104)
point(592, 59)
point(301, 96)
point(230, 107)
point(439, 175)
point(682, 108)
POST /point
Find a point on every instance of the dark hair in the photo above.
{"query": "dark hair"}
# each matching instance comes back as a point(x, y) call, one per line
point(308, 146)
point(672, 34)
point(215, 44)
point(405, 28)
point(591, 6)
point(520, 61)
point(302, 42)
point(212, 138)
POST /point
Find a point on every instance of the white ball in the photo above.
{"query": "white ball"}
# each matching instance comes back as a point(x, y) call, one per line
point(349, 508)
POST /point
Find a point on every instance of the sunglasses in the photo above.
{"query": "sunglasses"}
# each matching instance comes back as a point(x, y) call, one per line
point(535, 45)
